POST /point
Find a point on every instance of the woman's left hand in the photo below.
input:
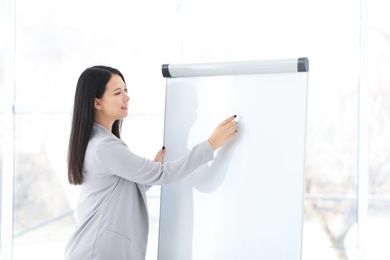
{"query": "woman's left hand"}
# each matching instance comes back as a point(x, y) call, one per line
point(160, 155)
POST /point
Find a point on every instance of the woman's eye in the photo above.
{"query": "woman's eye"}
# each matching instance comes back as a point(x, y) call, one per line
point(126, 90)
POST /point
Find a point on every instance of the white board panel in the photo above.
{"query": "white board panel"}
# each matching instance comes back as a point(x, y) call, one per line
point(248, 202)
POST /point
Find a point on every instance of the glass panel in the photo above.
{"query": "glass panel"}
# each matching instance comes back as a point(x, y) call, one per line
point(378, 223)
point(379, 98)
point(43, 240)
point(378, 229)
point(43, 200)
point(330, 227)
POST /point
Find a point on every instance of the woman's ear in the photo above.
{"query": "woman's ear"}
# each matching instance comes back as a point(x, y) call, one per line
point(98, 104)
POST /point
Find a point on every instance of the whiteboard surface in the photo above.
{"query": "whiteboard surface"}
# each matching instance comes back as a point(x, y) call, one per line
point(248, 202)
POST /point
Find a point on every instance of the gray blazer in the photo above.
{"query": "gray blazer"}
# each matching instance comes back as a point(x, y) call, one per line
point(112, 214)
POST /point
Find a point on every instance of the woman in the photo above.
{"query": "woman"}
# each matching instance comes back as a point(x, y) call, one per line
point(112, 211)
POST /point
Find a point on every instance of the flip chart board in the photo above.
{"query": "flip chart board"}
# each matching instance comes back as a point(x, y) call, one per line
point(248, 202)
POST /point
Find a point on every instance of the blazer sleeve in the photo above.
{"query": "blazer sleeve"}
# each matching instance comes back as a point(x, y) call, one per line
point(118, 160)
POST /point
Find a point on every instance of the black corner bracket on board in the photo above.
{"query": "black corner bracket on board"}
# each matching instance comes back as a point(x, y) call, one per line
point(165, 71)
point(303, 64)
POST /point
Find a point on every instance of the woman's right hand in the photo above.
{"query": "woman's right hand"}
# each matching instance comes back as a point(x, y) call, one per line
point(223, 133)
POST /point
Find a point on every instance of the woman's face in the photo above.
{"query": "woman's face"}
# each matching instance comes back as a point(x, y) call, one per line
point(114, 103)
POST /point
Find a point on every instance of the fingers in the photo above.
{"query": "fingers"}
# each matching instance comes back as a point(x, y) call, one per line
point(160, 155)
point(223, 133)
point(231, 126)
point(162, 152)
point(228, 120)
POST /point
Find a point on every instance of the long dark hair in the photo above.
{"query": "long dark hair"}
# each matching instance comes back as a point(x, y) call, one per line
point(91, 84)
